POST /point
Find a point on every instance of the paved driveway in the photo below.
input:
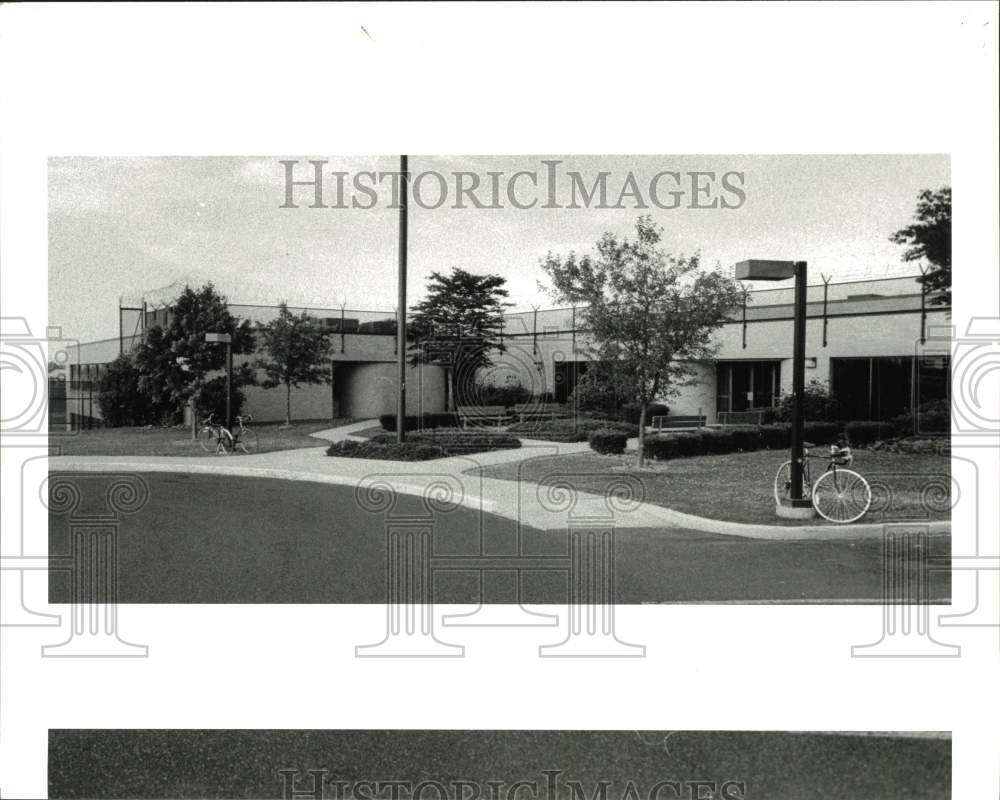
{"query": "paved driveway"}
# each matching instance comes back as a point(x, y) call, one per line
point(233, 539)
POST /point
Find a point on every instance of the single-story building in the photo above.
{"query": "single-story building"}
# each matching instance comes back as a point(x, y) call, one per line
point(882, 348)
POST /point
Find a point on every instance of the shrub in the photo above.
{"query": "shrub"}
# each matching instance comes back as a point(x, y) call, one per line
point(933, 417)
point(862, 433)
point(119, 397)
point(213, 398)
point(407, 451)
point(776, 437)
point(821, 432)
point(507, 395)
point(630, 412)
point(661, 448)
point(455, 441)
point(689, 444)
point(747, 439)
point(388, 422)
point(817, 404)
point(564, 430)
point(713, 441)
point(607, 442)
point(441, 419)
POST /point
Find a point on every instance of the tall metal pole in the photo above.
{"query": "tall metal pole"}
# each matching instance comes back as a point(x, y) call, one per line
point(229, 385)
point(798, 383)
point(401, 317)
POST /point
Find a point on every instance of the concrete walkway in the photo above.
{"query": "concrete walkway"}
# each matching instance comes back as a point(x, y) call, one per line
point(546, 507)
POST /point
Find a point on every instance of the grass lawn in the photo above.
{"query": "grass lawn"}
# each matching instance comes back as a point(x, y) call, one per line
point(271, 436)
point(739, 487)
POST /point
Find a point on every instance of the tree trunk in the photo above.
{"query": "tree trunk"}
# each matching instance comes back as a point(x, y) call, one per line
point(288, 405)
point(642, 434)
point(194, 419)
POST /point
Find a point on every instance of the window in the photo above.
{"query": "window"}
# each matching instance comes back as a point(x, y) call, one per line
point(885, 387)
point(742, 385)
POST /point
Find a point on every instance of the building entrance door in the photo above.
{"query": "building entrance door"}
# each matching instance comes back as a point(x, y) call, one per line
point(745, 385)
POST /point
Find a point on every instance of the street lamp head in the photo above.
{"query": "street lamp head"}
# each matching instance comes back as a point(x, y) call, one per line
point(758, 270)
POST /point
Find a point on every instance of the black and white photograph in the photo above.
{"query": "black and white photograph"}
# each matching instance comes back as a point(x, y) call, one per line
point(546, 361)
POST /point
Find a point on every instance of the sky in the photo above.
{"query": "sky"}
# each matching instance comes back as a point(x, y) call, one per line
point(120, 227)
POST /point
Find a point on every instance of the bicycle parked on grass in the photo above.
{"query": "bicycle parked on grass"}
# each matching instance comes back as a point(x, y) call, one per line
point(839, 495)
point(214, 437)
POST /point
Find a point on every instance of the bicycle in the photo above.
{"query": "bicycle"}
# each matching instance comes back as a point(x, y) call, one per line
point(838, 495)
point(214, 437)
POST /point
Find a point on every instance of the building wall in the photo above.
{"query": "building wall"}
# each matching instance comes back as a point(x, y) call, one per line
point(530, 360)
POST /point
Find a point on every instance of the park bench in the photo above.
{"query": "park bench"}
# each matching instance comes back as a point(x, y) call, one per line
point(479, 415)
point(539, 411)
point(758, 416)
point(678, 423)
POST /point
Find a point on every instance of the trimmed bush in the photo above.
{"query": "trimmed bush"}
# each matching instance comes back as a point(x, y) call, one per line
point(455, 441)
point(862, 433)
point(407, 451)
point(747, 439)
point(562, 430)
point(429, 421)
point(821, 432)
point(690, 444)
point(607, 442)
point(714, 441)
point(661, 448)
point(776, 437)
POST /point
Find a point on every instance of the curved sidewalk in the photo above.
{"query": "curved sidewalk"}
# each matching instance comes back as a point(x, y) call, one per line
point(544, 507)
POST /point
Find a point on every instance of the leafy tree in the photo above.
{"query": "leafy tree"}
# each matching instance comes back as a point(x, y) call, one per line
point(175, 360)
point(597, 390)
point(298, 351)
point(651, 315)
point(457, 326)
point(120, 398)
point(928, 238)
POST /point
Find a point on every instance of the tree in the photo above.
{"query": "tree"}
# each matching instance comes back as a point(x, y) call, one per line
point(174, 360)
point(928, 238)
point(650, 314)
point(298, 351)
point(120, 398)
point(457, 327)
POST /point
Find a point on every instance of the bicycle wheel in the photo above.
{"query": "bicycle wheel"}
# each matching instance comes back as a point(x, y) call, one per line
point(842, 496)
point(247, 441)
point(783, 485)
point(208, 438)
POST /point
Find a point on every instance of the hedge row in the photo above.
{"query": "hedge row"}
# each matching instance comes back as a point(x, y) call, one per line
point(407, 451)
point(759, 437)
point(607, 442)
point(456, 441)
point(413, 422)
point(565, 430)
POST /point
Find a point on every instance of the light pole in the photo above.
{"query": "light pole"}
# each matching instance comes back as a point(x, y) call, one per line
point(401, 317)
point(227, 340)
point(780, 271)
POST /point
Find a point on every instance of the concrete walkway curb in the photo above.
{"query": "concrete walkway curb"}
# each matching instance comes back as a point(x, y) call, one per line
point(520, 501)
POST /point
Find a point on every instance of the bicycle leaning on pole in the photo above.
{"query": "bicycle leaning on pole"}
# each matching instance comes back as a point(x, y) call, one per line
point(214, 437)
point(838, 495)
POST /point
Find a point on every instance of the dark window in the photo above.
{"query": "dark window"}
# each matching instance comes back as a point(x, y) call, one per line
point(742, 385)
point(885, 387)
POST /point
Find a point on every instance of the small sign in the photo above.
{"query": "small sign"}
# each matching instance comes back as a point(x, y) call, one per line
point(218, 338)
